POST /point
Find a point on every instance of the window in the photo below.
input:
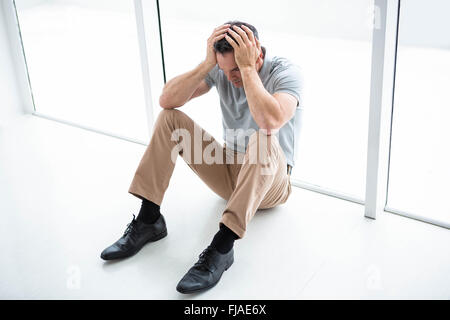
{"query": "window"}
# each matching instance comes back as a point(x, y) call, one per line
point(84, 64)
point(329, 39)
point(420, 155)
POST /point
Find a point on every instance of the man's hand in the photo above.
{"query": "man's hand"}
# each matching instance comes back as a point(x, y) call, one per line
point(217, 34)
point(246, 47)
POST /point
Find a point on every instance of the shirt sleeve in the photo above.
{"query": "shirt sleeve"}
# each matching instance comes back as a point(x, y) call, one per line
point(210, 78)
point(289, 80)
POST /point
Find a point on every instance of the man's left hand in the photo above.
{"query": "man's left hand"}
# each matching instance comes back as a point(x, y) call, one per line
point(246, 47)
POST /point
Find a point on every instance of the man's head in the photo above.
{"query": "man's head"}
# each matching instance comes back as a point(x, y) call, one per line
point(225, 55)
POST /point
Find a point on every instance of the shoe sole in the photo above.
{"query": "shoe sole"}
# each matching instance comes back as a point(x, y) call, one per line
point(210, 286)
point(154, 239)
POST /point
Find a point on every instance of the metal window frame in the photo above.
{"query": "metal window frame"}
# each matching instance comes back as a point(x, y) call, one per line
point(380, 109)
point(18, 56)
point(384, 43)
point(142, 42)
point(382, 85)
point(382, 89)
point(150, 68)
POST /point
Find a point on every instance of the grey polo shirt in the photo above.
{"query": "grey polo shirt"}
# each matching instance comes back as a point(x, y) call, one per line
point(277, 75)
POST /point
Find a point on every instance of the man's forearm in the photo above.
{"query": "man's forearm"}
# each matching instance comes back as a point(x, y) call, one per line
point(179, 90)
point(265, 109)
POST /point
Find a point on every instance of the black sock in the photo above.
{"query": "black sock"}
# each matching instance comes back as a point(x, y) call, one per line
point(223, 241)
point(149, 212)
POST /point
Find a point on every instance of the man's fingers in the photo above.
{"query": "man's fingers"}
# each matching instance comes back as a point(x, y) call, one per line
point(243, 35)
point(218, 33)
point(219, 30)
point(222, 27)
point(249, 33)
point(219, 37)
point(226, 25)
point(237, 37)
point(231, 41)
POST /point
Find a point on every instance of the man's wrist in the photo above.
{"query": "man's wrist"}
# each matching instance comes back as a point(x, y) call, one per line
point(206, 66)
point(247, 70)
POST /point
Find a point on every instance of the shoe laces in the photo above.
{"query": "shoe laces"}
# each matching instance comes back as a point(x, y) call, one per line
point(131, 227)
point(203, 259)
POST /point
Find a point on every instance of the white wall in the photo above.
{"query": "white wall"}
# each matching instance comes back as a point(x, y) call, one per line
point(11, 105)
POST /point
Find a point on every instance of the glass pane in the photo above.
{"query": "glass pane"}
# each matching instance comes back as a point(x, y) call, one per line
point(84, 65)
point(329, 39)
point(420, 153)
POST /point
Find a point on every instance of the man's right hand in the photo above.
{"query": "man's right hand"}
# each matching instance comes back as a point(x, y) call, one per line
point(217, 34)
point(182, 88)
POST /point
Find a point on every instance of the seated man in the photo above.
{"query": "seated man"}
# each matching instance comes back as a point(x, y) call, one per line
point(259, 95)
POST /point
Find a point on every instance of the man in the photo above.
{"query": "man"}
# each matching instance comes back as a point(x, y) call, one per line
point(250, 171)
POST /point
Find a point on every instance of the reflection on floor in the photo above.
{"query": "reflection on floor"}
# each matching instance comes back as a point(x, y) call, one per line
point(63, 198)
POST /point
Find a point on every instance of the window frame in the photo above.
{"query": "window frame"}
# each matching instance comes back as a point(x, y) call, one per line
point(382, 83)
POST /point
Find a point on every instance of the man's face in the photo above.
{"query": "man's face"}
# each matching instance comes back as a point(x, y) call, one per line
point(229, 67)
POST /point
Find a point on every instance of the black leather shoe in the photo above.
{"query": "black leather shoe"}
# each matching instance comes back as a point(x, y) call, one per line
point(134, 238)
point(207, 272)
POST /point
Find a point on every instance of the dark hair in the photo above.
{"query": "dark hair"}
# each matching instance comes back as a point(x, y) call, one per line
point(222, 46)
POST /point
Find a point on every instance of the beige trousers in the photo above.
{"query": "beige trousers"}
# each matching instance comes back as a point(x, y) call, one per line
point(255, 180)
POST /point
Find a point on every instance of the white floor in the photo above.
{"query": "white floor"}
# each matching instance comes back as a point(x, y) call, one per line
point(63, 198)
